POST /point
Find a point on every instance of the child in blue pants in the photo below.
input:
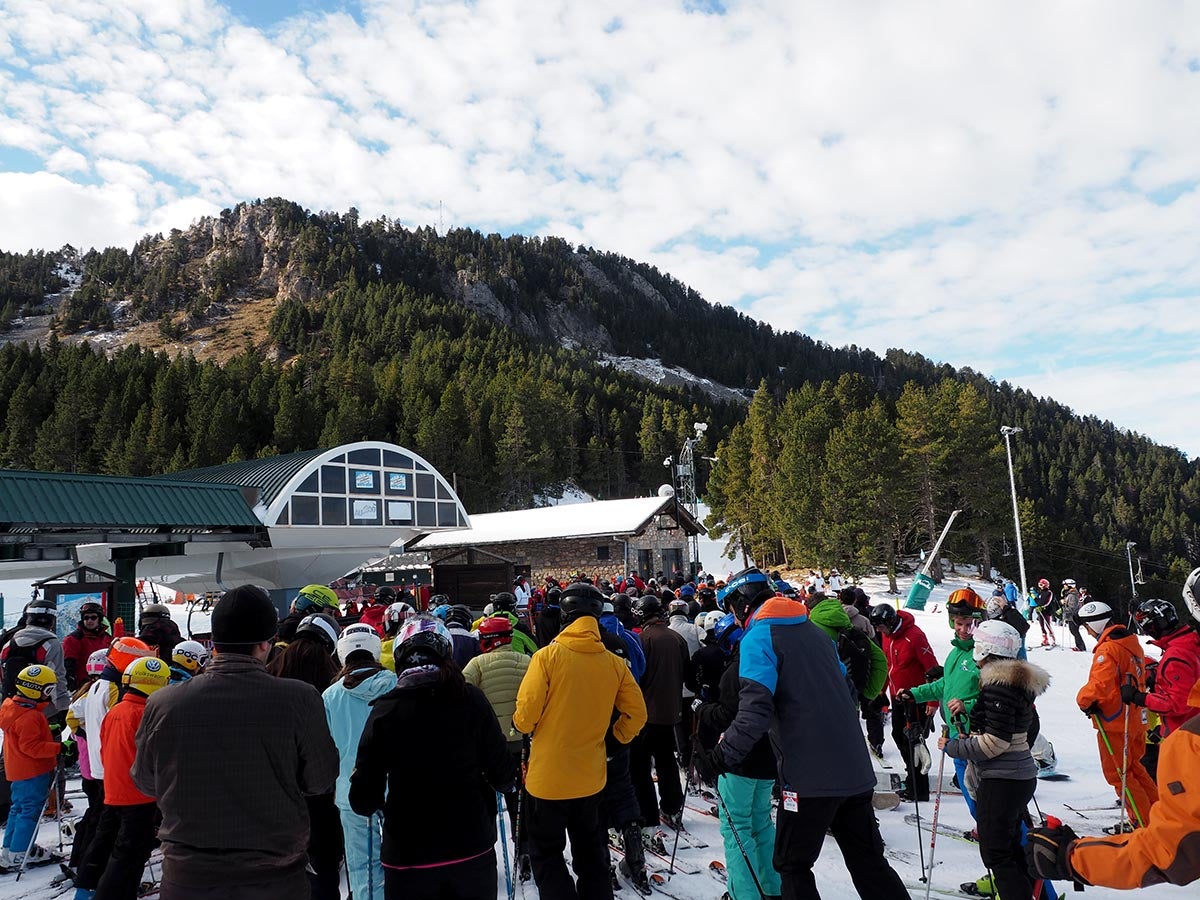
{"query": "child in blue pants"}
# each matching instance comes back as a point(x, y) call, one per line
point(30, 758)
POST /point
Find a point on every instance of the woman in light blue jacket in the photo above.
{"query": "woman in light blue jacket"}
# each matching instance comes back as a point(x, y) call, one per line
point(347, 705)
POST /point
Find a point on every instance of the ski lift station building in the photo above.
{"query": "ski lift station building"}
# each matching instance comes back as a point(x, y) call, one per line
point(280, 522)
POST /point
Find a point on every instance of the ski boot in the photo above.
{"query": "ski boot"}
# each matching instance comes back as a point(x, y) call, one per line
point(633, 866)
point(524, 867)
point(652, 842)
point(980, 887)
point(612, 876)
point(674, 822)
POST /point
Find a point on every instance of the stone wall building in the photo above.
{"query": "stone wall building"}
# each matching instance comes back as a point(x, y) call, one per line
point(600, 539)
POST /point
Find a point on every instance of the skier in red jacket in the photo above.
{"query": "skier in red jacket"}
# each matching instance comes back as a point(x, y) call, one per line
point(1178, 669)
point(909, 658)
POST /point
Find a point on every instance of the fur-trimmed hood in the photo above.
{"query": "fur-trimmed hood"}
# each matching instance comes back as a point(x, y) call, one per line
point(1015, 673)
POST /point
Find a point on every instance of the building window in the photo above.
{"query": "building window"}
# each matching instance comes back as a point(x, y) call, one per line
point(672, 561)
point(602, 552)
point(645, 563)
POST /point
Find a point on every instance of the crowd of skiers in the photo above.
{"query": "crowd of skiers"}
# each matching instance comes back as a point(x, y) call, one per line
point(581, 714)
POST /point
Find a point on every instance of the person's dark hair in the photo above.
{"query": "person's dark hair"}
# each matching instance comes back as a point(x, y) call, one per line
point(305, 660)
point(359, 666)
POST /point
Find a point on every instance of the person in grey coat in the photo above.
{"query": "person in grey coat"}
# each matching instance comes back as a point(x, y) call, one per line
point(230, 757)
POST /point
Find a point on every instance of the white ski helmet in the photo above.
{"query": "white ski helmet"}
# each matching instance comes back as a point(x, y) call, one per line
point(995, 606)
point(1095, 615)
point(995, 638)
point(711, 619)
point(359, 639)
point(1191, 594)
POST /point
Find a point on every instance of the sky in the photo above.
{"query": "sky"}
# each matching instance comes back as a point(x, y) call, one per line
point(1010, 187)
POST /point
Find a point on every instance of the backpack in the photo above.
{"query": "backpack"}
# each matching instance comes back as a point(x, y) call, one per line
point(14, 658)
point(853, 648)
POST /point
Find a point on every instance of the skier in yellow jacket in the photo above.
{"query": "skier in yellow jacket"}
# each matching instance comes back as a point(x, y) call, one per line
point(566, 703)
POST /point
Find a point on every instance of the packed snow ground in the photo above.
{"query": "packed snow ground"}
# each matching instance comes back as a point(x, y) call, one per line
point(957, 860)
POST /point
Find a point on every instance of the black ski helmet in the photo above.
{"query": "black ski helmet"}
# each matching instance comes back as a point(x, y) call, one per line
point(647, 608)
point(580, 599)
point(41, 613)
point(885, 616)
point(1156, 618)
point(423, 640)
point(385, 595)
point(461, 616)
point(151, 612)
point(320, 627)
point(504, 602)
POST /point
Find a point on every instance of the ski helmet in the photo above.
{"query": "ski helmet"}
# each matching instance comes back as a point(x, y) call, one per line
point(495, 631)
point(439, 600)
point(41, 613)
point(1095, 615)
point(359, 628)
point(95, 662)
point(745, 592)
point(964, 603)
point(995, 606)
point(581, 599)
point(712, 618)
point(124, 650)
point(728, 632)
point(384, 595)
point(146, 676)
point(423, 640)
point(996, 638)
point(321, 627)
point(355, 639)
point(504, 602)
point(885, 617)
point(441, 610)
point(315, 598)
point(1156, 618)
point(647, 608)
point(152, 611)
point(677, 608)
point(36, 683)
point(553, 597)
point(395, 615)
point(1191, 594)
point(191, 656)
point(460, 616)
point(1043, 584)
point(92, 609)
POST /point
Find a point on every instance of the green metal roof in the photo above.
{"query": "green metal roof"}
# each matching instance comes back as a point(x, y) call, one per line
point(269, 475)
point(43, 501)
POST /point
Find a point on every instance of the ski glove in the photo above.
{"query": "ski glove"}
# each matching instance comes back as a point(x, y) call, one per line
point(1130, 694)
point(709, 763)
point(1048, 851)
point(70, 752)
point(1093, 710)
point(920, 756)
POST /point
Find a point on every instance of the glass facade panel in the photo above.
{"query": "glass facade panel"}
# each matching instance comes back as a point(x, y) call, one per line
point(367, 457)
point(333, 480)
point(306, 511)
point(308, 485)
point(364, 481)
point(446, 514)
point(333, 511)
point(426, 514)
point(426, 487)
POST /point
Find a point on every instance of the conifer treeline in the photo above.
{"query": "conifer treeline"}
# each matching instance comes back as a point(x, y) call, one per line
point(840, 475)
point(382, 346)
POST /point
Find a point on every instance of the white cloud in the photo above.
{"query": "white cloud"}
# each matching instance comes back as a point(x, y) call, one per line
point(925, 175)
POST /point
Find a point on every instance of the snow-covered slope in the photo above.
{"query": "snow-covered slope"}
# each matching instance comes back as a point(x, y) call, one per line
point(655, 372)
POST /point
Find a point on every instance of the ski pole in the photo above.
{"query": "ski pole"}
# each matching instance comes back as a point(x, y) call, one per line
point(937, 807)
point(737, 838)
point(32, 837)
point(1125, 764)
point(518, 838)
point(1126, 796)
point(500, 814)
point(370, 861)
point(914, 717)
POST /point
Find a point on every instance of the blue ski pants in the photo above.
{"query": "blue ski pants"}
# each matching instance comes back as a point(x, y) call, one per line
point(28, 797)
point(748, 801)
point(363, 868)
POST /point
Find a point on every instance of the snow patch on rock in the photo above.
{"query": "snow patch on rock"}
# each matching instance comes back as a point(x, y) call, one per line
point(654, 371)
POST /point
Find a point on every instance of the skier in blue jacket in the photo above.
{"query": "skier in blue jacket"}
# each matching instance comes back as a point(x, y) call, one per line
point(347, 705)
point(637, 657)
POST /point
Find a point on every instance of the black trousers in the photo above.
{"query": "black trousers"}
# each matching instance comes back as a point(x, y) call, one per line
point(917, 783)
point(872, 714)
point(129, 830)
point(683, 734)
point(549, 824)
point(269, 887)
point(93, 789)
point(474, 879)
point(1074, 626)
point(1000, 806)
point(799, 836)
point(655, 745)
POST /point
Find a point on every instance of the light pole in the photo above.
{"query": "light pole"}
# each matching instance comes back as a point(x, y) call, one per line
point(1008, 431)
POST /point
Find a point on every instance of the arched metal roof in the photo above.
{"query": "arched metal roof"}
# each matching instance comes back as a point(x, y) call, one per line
point(363, 483)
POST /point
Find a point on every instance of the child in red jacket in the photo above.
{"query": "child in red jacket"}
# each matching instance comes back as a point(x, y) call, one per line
point(30, 755)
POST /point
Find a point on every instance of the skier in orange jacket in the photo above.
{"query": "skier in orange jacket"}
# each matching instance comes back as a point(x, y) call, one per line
point(1164, 852)
point(1117, 659)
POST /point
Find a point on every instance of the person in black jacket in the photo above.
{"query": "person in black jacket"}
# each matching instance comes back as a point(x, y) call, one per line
point(745, 794)
point(549, 620)
point(158, 629)
point(1000, 610)
point(439, 834)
